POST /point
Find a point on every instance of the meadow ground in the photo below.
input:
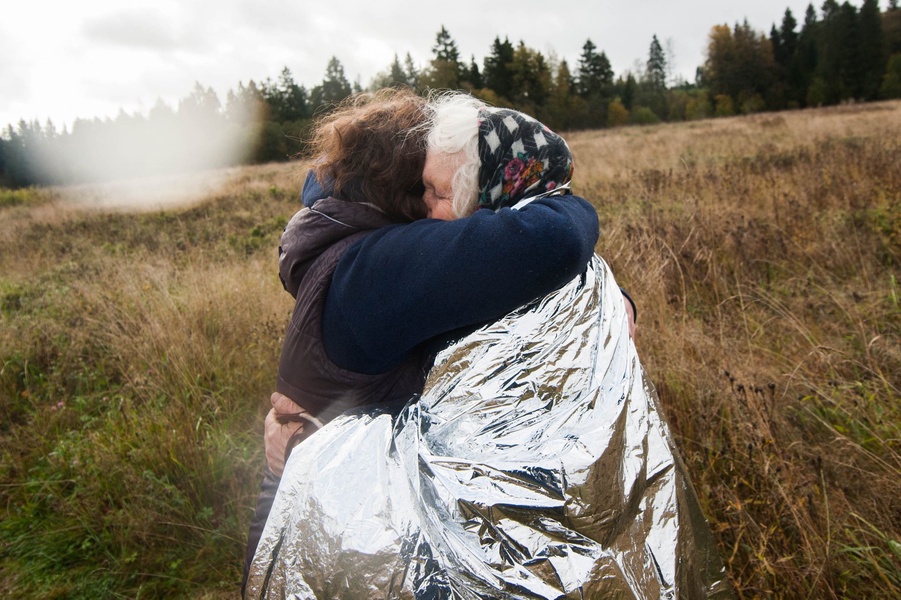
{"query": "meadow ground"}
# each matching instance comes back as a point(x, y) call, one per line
point(138, 348)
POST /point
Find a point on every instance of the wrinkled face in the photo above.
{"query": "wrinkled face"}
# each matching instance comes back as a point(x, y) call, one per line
point(437, 177)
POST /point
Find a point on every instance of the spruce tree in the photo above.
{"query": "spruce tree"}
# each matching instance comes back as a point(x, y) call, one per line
point(333, 89)
point(445, 47)
point(594, 73)
point(496, 72)
point(411, 72)
point(872, 56)
point(629, 88)
point(788, 36)
point(806, 56)
point(292, 98)
point(847, 34)
point(789, 60)
point(829, 9)
point(335, 86)
point(656, 66)
point(445, 70)
point(776, 43)
point(396, 74)
point(473, 76)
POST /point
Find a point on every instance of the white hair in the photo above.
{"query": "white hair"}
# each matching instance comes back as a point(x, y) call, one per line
point(454, 133)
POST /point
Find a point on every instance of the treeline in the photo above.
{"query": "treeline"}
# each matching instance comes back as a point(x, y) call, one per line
point(838, 54)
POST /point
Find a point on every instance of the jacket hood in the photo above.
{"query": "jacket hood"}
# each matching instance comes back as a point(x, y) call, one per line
point(311, 231)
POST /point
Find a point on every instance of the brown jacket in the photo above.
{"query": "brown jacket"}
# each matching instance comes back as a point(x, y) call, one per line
point(311, 247)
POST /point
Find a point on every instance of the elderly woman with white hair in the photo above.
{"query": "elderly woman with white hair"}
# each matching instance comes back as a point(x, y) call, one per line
point(536, 463)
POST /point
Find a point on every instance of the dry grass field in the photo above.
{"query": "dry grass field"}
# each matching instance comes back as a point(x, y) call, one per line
point(138, 348)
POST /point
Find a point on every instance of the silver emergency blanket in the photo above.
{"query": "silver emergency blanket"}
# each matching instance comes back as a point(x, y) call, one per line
point(536, 465)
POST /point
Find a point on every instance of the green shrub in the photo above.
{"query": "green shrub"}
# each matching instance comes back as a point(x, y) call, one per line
point(642, 115)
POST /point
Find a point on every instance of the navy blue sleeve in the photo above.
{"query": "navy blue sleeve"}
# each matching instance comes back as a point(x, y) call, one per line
point(405, 284)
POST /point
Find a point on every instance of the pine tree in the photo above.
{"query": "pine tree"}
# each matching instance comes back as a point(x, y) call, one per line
point(496, 72)
point(292, 97)
point(829, 9)
point(594, 73)
point(806, 56)
point(784, 41)
point(628, 90)
point(335, 86)
point(838, 47)
point(411, 71)
point(789, 61)
point(872, 55)
point(788, 38)
point(396, 73)
point(473, 76)
point(445, 70)
point(810, 20)
point(852, 70)
point(445, 47)
point(776, 43)
point(333, 89)
point(656, 66)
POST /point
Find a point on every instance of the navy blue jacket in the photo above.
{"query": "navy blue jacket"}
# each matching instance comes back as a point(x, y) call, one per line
point(404, 285)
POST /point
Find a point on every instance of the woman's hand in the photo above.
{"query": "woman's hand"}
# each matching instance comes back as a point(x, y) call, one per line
point(286, 426)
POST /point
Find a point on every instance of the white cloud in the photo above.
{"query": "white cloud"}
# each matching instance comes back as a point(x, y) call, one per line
point(85, 59)
point(134, 28)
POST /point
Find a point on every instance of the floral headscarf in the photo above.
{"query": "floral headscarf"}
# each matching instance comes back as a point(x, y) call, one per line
point(520, 158)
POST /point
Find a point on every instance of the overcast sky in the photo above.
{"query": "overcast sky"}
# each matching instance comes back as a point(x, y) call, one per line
point(62, 60)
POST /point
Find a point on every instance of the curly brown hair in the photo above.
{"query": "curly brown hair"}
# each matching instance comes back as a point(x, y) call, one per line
point(372, 147)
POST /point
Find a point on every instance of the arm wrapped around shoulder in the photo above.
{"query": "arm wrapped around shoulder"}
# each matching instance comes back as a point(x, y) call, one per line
point(565, 236)
point(406, 284)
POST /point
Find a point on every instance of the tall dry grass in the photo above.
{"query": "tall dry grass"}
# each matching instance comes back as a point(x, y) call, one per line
point(137, 350)
point(765, 254)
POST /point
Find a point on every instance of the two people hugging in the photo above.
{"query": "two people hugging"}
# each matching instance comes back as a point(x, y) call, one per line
point(434, 233)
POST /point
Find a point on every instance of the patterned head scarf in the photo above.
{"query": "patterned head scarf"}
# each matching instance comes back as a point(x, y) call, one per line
point(520, 158)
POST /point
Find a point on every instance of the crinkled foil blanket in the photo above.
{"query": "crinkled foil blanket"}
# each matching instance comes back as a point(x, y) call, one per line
point(536, 464)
